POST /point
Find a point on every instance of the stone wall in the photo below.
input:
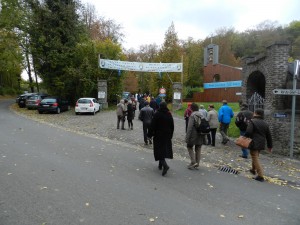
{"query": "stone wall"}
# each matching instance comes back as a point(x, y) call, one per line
point(273, 65)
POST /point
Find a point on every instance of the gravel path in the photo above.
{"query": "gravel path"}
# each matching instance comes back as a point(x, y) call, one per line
point(278, 169)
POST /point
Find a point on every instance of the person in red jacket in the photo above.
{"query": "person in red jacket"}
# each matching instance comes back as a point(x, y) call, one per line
point(187, 115)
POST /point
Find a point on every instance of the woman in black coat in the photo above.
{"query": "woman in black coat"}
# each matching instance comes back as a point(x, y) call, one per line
point(162, 128)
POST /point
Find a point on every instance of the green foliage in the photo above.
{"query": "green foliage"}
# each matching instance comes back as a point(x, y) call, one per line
point(189, 91)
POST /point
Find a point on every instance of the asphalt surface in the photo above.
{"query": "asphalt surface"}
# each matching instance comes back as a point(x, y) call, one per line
point(280, 170)
point(60, 175)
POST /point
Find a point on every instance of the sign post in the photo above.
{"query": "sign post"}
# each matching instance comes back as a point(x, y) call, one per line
point(292, 92)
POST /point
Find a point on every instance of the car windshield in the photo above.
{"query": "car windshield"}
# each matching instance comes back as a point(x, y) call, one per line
point(84, 101)
point(49, 100)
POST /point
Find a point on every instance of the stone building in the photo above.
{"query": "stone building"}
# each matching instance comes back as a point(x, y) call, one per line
point(261, 75)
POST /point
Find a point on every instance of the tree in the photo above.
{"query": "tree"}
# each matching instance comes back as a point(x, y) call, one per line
point(55, 32)
point(10, 53)
point(170, 52)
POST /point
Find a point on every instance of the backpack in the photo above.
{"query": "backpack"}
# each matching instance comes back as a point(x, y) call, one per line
point(202, 125)
point(241, 121)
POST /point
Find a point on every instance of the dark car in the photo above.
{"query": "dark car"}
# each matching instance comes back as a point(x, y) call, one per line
point(23, 98)
point(53, 104)
point(33, 101)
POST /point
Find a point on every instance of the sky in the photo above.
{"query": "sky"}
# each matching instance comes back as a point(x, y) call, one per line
point(146, 21)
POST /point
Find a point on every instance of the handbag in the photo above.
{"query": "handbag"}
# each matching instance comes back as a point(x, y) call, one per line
point(243, 142)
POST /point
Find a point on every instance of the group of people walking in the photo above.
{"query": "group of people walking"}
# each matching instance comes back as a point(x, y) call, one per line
point(250, 125)
point(158, 127)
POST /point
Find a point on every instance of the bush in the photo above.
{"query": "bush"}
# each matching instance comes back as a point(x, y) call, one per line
point(189, 91)
point(7, 91)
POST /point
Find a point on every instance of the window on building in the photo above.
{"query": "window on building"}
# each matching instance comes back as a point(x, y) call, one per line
point(216, 78)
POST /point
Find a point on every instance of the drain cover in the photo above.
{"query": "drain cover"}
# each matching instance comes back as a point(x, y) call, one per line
point(228, 170)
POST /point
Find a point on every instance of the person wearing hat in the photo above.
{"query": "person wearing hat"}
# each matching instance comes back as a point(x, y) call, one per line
point(259, 131)
point(241, 121)
point(225, 115)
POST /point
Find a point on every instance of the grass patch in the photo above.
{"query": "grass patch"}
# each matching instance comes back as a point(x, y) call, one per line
point(233, 131)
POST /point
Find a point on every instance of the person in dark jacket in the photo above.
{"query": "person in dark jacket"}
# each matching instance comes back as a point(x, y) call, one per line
point(241, 121)
point(162, 129)
point(193, 138)
point(130, 114)
point(153, 104)
point(259, 131)
point(146, 115)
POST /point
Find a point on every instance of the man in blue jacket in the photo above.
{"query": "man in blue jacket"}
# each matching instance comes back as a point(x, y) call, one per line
point(225, 115)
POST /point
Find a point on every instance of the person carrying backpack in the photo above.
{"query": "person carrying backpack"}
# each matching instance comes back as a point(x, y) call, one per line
point(194, 137)
point(241, 121)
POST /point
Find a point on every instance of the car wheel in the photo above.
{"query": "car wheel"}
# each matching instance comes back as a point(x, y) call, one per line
point(76, 113)
point(40, 112)
point(58, 110)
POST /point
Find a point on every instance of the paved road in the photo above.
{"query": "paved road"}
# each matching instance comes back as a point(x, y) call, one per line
point(49, 175)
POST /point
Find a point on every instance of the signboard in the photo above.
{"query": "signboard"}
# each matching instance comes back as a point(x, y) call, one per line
point(101, 94)
point(177, 95)
point(228, 84)
point(286, 92)
point(140, 66)
point(280, 115)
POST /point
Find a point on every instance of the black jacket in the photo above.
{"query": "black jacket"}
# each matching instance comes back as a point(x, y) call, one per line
point(162, 129)
point(259, 131)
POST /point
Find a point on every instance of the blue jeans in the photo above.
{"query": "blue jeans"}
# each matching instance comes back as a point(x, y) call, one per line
point(244, 150)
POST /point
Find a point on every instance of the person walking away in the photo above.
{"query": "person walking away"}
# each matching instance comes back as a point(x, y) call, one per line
point(225, 115)
point(259, 131)
point(204, 113)
point(193, 137)
point(120, 114)
point(146, 115)
point(125, 111)
point(162, 129)
point(187, 114)
point(141, 102)
point(212, 117)
point(153, 104)
point(241, 121)
point(134, 104)
point(130, 115)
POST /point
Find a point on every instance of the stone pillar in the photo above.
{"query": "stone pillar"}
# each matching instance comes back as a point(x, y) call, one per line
point(177, 96)
point(102, 93)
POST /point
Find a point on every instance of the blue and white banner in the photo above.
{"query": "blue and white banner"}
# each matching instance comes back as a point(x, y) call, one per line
point(228, 84)
point(140, 66)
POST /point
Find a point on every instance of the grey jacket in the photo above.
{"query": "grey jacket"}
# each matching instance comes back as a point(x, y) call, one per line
point(212, 117)
point(192, 136)
point(146, 114)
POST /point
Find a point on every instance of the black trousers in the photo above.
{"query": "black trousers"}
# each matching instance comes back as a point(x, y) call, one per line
point(212, 136)
point(146, 131)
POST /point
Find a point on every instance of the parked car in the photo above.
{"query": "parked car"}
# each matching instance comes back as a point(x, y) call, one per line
point(34, 101)
point(53, 104)
point(23, 98)
point(87, 105)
